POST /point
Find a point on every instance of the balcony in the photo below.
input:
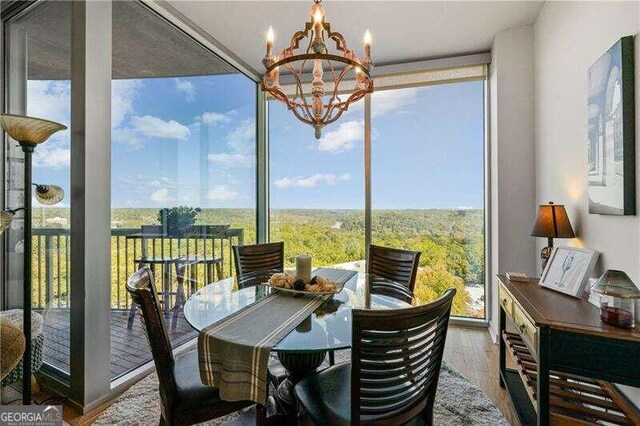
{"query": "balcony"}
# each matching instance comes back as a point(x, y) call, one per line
point(206, 255)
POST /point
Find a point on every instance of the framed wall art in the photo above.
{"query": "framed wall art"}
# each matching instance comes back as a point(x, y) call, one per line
point(569, 269)
point(611, 130)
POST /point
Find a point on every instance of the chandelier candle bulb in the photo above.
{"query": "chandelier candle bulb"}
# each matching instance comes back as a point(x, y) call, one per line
point(367, 44)
point(270, 38)
point(303, 267)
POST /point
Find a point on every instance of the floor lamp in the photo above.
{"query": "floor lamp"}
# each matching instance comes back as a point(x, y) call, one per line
point(29, 132)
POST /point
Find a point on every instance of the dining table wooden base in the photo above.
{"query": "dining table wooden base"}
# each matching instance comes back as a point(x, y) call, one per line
point(297, 365)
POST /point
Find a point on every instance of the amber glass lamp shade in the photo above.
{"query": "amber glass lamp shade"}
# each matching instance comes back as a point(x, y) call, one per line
point(29, 130)
point(6, 217)
point(617, 295)
point(552, 222)
point(48, 195)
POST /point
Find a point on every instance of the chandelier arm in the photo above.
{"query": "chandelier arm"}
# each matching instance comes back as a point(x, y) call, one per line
point(302, 118)
point(299, 89)
point(299, 35)
point(341, 43)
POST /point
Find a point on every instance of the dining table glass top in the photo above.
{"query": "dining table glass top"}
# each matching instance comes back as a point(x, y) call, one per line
point(328, 328)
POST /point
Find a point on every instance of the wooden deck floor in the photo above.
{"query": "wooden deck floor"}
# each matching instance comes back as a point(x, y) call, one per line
point(129, 348)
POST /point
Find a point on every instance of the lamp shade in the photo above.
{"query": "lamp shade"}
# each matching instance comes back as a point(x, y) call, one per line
point(616, 284)
point(552, 222)
point(6, 217)
point(48, 194)
point(29, 130)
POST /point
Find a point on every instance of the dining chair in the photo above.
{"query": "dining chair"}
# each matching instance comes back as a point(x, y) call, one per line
point(250, 262)
point(399, 267)
point(184, 399)
point(259, 258)
point(395, 365)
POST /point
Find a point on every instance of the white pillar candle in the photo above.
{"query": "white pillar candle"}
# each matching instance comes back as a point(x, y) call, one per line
point(303, 267)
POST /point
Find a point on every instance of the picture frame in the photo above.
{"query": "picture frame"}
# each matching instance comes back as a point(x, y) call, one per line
point(611, 131)
point(569, 269)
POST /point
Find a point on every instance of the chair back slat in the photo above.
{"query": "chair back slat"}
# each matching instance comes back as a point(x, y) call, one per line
point(399, 266)
point(141, 287)
point(396, 359)
point(259, 258)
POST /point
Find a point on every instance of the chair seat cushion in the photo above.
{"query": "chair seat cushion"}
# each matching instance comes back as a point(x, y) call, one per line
point(326, 397)
point(191, 392)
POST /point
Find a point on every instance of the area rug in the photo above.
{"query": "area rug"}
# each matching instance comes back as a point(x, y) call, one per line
point(458, 402)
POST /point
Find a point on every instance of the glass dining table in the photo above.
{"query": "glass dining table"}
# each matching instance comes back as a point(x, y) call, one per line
point(304, 349)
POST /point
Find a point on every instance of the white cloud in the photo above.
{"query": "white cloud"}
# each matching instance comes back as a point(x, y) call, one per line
point(392, 100)
point(242, 139)
point(157, 128)
point(123, 93)
point(128, 137)
point(385, 101)
point(161, 195)
point(343, 138)
point(186, 87)
point(311, 181)
point(222, 193)
point(52, 157)
point(212, 117)
point(231, 160)
point(50, 100)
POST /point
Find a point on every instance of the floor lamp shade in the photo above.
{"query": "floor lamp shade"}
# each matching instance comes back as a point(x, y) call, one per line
point(6, 217)
point(29, 132)
point(48, 195)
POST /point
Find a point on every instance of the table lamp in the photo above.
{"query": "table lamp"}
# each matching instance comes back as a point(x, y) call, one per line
point(552, 222)
point(29, 132)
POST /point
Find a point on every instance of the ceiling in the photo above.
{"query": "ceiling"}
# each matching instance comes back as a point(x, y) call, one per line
point(402, 31)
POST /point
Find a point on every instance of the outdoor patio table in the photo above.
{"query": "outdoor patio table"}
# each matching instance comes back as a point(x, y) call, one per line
point(304, 349)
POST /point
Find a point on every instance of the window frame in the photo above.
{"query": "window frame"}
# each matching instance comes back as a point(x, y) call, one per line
point(413, 68)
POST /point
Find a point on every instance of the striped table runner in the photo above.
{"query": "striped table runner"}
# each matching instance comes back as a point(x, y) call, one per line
point(233, 353)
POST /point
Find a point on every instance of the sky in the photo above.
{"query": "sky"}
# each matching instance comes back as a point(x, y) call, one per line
point(191, 141)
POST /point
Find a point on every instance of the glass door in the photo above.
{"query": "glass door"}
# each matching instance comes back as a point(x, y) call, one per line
point(37, 49)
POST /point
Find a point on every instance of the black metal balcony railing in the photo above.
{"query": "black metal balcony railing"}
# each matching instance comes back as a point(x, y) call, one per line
point(51, 261)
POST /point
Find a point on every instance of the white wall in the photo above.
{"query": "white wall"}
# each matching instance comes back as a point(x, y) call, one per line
point(511, 83)
point(569, 37)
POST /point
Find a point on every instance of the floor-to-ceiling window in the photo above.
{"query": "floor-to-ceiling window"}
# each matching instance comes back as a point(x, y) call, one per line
point(37, 48)
point(183, 171)
point(317, 188)
point(427, 182)
point(428, 189)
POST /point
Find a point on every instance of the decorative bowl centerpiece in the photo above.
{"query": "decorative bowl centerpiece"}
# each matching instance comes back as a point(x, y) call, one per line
point(288, 281)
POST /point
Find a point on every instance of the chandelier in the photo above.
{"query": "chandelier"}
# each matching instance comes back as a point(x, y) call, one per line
point(310, 99)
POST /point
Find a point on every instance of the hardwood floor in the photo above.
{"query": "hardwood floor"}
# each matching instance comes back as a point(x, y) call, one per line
point(468, 350)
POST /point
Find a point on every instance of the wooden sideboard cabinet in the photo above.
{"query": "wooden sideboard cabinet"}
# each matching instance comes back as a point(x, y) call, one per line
point(558, 360)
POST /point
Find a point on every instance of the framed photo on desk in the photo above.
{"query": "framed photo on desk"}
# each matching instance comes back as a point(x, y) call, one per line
point(569, 269)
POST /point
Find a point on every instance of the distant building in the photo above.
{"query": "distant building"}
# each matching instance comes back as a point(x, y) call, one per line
point(60, 221)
